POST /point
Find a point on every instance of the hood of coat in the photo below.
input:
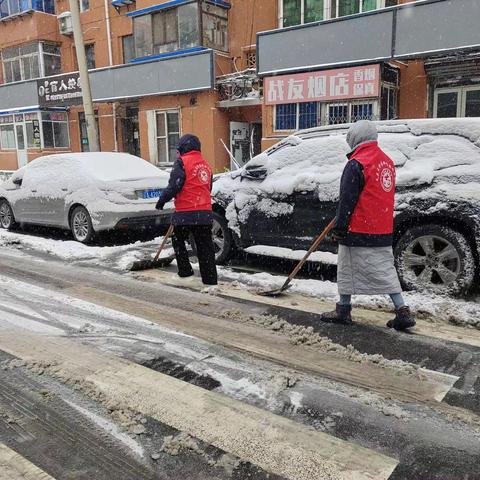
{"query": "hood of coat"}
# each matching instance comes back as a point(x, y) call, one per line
point(361, 132)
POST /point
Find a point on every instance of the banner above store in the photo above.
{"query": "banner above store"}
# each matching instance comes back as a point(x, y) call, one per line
point(60, 90)
point(337, 84)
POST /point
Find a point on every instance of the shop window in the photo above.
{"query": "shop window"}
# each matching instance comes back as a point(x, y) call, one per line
point(22, 131)
point(457, 102)
point(168, 134)
point(14, 7)
point(337, 114)
point(55, 130)
point(7, 133)
point(23, 62)
point(90, 55)
point(128, 47)
point(294, 116)
point(286, 116)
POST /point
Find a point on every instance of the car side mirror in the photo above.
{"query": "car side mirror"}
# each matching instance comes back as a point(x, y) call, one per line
point(18, 182)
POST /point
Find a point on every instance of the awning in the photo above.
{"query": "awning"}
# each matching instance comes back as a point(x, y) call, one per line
point(33, 108)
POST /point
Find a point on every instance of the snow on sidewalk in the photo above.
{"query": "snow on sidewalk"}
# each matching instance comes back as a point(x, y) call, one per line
point(119, 256)
point(426, 305)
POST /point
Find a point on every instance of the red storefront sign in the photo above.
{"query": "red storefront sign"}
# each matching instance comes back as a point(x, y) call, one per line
point(342, 83)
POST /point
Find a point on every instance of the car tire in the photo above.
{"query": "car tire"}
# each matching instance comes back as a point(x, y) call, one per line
point(435, 258)
point(7, 218)
point(81, 225)
point(222, 239)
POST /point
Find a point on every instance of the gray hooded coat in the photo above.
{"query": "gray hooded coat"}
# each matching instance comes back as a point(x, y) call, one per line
point(365, 262)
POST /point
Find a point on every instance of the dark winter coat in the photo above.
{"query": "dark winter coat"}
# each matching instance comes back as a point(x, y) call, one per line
point(176, 184)
point(352, 185)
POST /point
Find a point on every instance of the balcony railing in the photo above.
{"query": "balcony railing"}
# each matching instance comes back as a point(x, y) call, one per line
point(14, 8)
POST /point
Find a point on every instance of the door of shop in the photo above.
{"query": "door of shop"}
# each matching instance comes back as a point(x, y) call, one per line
point(131, 132)
point(20, 134)
point(457, 102)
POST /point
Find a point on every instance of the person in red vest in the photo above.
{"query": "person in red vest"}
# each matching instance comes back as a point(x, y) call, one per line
point(364, 228)
point(190, 185)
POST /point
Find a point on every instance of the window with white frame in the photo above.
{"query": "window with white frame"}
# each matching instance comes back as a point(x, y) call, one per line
point(29, 61)
point(457, 102)
point(52, 124)
point(7, 132)
point(168, 134)
point(296, 12)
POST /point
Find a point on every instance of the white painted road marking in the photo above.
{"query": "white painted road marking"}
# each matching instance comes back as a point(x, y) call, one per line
point(15, 467)
point(274, 443)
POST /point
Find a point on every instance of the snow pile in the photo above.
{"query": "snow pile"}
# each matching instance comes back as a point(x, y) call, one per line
point(285, 253)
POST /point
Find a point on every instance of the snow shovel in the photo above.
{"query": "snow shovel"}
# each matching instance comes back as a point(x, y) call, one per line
point(316, 243)
point(155, 263)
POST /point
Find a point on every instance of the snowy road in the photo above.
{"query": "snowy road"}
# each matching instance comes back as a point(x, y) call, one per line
point(110, 375)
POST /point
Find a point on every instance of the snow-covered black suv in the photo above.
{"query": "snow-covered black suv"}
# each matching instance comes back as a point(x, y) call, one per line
point(285, 196)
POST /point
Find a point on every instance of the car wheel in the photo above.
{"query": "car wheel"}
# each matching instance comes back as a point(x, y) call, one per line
point(7, 219)
point(222, 238)
point(81, 225)
point(435, 258)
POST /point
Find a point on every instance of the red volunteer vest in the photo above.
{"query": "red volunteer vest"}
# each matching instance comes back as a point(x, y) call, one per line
point(374, 211)
point(195, 194)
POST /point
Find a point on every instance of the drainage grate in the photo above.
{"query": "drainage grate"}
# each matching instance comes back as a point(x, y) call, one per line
point(179, 371)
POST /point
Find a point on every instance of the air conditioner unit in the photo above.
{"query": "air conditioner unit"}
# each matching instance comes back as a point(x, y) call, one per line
point(65, 23)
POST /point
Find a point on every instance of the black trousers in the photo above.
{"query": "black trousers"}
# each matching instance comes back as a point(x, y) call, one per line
point(202, 235)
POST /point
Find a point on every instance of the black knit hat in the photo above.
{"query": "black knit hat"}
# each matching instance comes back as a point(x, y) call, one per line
point(188, 143)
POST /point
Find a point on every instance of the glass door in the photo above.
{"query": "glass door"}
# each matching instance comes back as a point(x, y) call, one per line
point(22, 157)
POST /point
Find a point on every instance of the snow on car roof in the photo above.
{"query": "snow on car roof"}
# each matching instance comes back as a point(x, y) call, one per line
point(108, 166)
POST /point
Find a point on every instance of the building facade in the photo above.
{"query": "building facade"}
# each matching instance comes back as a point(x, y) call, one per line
point(240, 74)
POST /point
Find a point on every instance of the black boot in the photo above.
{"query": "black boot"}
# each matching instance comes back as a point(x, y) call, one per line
point(403, 319)
point(342, 314)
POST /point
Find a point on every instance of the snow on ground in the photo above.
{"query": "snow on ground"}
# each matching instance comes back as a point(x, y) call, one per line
point(435, 307)
point(279, 252)
point(118, 257)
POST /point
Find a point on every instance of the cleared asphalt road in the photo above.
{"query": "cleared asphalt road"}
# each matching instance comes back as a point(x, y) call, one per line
point(110, 376)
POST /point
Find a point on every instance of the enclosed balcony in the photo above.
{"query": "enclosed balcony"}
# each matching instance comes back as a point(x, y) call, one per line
point(180, 26)
point(10, 9)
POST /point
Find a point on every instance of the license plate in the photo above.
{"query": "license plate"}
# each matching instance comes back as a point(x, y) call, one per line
point(151, 193)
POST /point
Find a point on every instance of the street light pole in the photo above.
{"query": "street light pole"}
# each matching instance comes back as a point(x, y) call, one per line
point(92, 132)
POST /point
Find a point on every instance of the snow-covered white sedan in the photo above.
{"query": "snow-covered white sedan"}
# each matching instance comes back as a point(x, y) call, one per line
point(286, 196)
point(84, 192)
